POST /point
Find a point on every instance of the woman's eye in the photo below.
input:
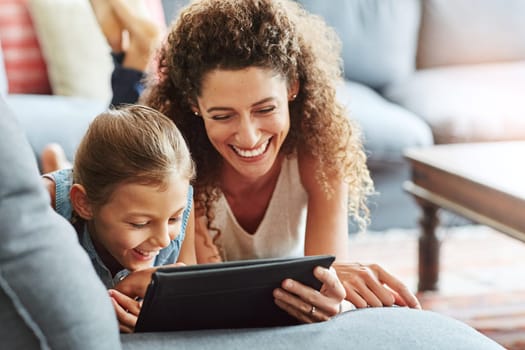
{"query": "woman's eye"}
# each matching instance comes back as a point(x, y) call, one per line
point(266, 110)
point(221, 117)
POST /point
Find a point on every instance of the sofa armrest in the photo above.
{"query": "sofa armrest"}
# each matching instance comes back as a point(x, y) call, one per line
point(373, 328)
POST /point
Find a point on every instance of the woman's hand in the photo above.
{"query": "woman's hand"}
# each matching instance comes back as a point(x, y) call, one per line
point(371, 285)
point(127, 310)
point(307, 304)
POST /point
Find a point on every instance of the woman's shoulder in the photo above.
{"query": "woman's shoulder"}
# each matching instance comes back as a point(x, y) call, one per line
point(313, 179)
point(308, 166)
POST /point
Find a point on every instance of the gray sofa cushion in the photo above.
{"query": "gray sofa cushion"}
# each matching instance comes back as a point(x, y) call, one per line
point(471, 32)
point(387, 128)
point(50, 295)
point(379, 37)
point(364, 329)
point(467, 103)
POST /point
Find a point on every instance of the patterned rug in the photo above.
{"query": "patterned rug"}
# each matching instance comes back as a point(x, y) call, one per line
point(482, 281)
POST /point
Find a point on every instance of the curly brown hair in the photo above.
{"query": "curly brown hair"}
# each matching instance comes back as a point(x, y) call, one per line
point(271, 34)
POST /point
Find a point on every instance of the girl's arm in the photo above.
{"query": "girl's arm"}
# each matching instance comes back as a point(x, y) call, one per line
point(126, 309)
point(50, 186)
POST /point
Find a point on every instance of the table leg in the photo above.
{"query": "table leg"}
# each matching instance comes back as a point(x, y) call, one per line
point(429, 245)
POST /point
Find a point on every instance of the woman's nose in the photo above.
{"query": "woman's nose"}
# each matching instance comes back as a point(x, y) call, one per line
point(247, 132)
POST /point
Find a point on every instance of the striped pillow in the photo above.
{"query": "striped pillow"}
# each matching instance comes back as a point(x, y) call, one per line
point(24, 65)
point(3, 78)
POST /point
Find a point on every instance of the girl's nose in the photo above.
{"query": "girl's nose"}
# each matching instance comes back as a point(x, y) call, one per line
point(162, 236)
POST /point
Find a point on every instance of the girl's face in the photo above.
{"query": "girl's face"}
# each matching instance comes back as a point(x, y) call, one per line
point(246, 117)
point(138, 221)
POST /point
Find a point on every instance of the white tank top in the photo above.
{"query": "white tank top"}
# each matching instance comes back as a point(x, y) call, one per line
point(282, 230)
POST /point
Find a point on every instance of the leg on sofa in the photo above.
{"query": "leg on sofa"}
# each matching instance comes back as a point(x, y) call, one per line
point(53, 158)
point(133, 38)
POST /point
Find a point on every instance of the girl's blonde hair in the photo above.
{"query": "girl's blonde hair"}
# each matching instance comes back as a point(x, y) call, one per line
point(131, 144)
point(272, 34)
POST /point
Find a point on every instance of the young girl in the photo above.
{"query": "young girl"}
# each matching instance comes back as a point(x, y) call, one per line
point(129, 198)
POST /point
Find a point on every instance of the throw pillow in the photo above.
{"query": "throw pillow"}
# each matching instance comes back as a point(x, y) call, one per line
point(3, 78)
point(76, 52)
point(25, 67)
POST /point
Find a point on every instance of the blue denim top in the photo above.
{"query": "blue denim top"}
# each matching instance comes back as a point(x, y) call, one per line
point(63, 181)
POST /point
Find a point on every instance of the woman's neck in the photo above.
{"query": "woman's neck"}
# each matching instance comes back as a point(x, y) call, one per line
point(233, 184)
point(248, 199)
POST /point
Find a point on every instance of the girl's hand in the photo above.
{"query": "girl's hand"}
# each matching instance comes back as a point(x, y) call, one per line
point(127, 310)
point(307, 304)
point(372, 286)
point(136, 283)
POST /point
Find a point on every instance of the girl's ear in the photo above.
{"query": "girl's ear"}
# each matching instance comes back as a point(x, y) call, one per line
point(80, 202)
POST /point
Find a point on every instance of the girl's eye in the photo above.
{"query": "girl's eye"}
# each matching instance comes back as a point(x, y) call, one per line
point(141, 225)
point(175, 220)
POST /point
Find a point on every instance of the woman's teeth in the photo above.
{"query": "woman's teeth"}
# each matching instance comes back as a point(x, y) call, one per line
point(253, 152)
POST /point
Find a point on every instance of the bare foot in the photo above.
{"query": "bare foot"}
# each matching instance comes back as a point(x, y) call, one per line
point(53, 158)
point(144, 34)
point(109, 23)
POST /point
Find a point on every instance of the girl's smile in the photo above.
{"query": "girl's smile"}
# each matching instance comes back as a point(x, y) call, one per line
point(138, 221)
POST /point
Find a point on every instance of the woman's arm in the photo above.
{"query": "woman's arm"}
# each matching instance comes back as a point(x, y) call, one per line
point(327, 220)
point(205, 249)
point(327, 233)
point(187, 253)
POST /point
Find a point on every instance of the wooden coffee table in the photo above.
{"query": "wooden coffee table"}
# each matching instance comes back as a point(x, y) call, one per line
point(484, 182)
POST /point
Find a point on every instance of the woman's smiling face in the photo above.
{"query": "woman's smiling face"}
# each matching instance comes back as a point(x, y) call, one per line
point(246, 117)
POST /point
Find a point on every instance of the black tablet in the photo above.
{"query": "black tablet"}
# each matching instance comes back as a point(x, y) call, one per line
point(235, 294)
